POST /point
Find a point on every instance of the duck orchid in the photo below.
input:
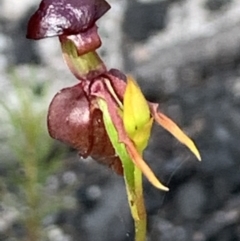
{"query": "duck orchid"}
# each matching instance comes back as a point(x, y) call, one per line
point(105, 115)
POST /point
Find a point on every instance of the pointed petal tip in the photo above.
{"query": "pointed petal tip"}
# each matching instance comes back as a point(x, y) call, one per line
point(155, 182)
point(161, 186)
point(173, 128)
point(192, 147)
point(195, 151)
point(142, 165)
point(198, 156)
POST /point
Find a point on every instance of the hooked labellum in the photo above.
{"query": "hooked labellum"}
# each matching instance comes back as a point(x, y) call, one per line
point(64, 17)
point(78, 115)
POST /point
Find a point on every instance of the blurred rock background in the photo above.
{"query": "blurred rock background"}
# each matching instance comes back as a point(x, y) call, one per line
point(185, 55)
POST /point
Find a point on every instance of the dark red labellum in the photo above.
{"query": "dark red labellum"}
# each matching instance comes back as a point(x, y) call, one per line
point(69, 119)
point(75, 120)
point(65, 17)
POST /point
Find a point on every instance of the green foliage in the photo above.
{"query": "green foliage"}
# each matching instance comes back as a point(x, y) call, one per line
point(30, 159)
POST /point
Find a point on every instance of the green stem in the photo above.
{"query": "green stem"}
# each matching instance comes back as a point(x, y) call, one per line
point(133, 182)
point(132, 177)
point(86, 66)
point(141, 222)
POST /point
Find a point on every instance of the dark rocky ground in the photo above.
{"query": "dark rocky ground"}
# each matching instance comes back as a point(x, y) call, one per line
point(194, 73)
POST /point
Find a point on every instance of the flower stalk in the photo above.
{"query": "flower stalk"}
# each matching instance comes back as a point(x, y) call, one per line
point(132, 176)
point(85, 66)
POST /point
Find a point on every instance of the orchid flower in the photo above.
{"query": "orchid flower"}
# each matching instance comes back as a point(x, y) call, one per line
point(74, 111)
point(105, 115)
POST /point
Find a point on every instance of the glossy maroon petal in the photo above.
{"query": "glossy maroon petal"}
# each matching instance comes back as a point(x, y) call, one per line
point(75, 120)
point(68, 17)
point(69, 119)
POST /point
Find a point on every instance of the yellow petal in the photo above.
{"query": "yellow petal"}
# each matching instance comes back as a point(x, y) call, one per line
point(142, 136)
point(136, 112)
point(136, 115)
point(170, 126)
